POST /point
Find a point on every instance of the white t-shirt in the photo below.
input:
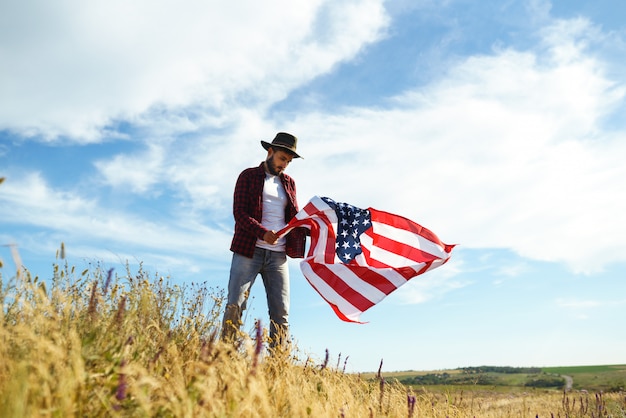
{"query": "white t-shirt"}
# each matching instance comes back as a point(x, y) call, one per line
point(274, 203)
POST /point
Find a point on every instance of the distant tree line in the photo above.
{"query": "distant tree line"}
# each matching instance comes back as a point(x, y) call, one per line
point(545, 381)
point(487, 376)
point(449, 379)
point(496, 369)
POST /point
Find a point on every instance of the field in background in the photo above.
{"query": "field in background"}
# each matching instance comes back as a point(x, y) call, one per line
point(607, 378)
point(95, 343)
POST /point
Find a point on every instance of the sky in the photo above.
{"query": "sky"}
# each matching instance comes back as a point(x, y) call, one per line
point(496, 124)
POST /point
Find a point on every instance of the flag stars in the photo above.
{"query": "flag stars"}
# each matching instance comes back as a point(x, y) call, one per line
point(351, 223)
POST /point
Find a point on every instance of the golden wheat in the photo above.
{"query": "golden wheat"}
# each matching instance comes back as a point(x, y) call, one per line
point(101, 344)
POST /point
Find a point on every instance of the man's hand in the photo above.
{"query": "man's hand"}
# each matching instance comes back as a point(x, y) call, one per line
point(270, 237)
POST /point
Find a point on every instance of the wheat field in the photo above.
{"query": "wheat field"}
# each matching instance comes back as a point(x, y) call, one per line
point(97, 344)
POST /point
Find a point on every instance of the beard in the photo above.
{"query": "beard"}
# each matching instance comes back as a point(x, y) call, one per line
point(271, 166)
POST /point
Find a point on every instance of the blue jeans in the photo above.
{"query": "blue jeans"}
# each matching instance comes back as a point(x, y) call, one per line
point(272, 266)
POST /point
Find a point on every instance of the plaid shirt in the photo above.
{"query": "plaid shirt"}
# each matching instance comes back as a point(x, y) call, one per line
point(248, 212)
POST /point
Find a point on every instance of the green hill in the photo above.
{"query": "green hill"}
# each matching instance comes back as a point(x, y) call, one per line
point(606, 378)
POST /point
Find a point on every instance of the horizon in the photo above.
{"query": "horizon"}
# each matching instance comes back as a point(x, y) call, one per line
point(491, 365)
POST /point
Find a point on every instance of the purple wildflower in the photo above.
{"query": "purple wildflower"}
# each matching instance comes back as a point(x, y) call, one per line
point(325, 360)
point(122, 383)
point(107, 282)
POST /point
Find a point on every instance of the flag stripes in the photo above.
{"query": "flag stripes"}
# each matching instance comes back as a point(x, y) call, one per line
point(394, 250)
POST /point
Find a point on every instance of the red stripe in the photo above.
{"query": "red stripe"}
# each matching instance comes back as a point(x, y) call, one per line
point(401, 249)
point(318, 223)
point(315, 234)
point(352, 296)
point(425, 268)
point(340, 314)
point(373, 278)
point(372, 262)
point(334, 307)
point(315, 213)
point(404, 223)
point(406, 272)
point(310, 209)
point(329, 251)
point(331, 240)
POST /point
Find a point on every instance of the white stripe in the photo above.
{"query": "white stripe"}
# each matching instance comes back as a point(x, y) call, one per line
point(322, 219)
point(328, 293)
point(320, 248)
point(326, 218)
point(437, 263)
point(360, 286)
point(387, 257)
point(389, 273)
point(390, 258)
point(408, 238)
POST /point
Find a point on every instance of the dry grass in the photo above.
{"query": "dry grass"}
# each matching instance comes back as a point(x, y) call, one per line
point(98, 344)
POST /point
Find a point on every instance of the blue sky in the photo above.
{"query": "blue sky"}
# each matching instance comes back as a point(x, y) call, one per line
point(498, 125)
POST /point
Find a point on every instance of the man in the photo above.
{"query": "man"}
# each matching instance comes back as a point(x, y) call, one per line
point(264, 201)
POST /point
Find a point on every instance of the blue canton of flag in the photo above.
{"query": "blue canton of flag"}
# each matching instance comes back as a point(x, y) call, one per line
point(351, 223)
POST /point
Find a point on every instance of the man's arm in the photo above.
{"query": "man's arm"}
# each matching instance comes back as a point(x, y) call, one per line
point(244, 204)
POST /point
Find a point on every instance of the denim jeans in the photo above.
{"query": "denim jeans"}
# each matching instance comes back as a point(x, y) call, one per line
point(272, 266)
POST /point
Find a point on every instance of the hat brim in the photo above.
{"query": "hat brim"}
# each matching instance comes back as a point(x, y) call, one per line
point(267, 146)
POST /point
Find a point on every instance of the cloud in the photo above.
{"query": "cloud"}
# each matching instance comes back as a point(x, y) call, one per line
point(510, 270)
point(428, 287)
point(140, 172)
point(506, 150)
point(29, 200)
point(501, 150)
point(585, 304)
point(579, 304)
point(76, 69)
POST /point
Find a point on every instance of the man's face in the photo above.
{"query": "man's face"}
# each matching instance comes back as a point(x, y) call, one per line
point(277, 161)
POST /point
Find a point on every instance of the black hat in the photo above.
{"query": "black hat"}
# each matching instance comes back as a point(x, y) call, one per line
point(285, 141)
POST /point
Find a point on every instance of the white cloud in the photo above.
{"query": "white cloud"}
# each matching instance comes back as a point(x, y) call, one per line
point(29, 200)
point(433, 285)
point(506, 150)
point(140, 172)
point(76, 67)
point(511, 270)
point(503, 151)
point(579, 304)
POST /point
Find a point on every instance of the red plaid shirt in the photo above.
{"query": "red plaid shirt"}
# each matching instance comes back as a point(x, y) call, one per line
point(248, 212)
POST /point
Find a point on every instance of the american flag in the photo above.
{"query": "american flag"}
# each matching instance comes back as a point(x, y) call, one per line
point(359, 256)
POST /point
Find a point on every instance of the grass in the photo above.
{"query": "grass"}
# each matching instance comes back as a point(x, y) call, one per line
point(607, 378)
point(95, 343)
point(98, 344)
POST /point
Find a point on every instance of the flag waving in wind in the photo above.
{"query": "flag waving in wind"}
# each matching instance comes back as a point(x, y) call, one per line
point(359, 256)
